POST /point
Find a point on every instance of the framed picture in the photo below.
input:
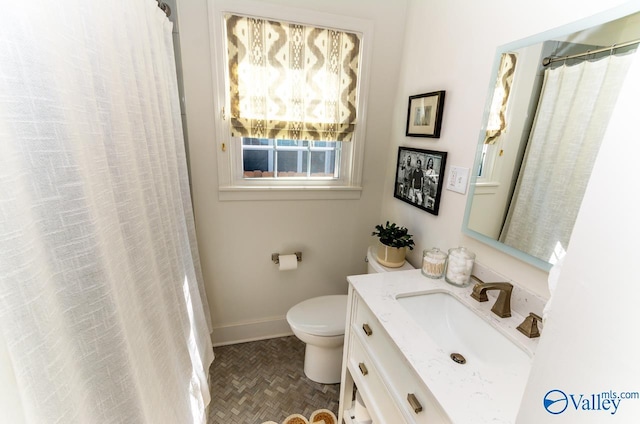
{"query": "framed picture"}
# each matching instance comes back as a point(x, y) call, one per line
point(424, 117)
point(419, 178)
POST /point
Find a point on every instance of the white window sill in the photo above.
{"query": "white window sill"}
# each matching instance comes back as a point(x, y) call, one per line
point(232, 193)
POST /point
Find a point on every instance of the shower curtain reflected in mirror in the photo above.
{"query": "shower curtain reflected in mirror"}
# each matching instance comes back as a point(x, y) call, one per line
point(103, 315)
point(573, 112)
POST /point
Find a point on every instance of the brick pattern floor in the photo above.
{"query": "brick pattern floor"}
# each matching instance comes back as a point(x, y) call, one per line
point(264, 381)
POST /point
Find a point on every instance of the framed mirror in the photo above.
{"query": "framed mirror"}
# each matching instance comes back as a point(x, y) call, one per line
point(537, 144)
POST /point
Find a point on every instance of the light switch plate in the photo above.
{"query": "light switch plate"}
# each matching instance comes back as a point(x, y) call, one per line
point(457, 180)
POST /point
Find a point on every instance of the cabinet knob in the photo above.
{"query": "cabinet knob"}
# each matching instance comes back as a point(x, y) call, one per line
point(415, 404)
point(363, 368)
point(367, 329)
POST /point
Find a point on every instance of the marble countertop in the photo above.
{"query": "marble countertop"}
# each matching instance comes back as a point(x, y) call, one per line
point(466, 394)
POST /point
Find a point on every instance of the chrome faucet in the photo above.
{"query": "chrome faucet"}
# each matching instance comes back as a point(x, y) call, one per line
point(502, 307)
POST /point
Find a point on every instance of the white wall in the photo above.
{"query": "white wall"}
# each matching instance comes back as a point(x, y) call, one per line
point(247, 295)
point(450, 46)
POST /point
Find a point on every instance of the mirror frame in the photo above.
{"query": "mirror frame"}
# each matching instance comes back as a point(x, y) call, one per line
point(580, 25)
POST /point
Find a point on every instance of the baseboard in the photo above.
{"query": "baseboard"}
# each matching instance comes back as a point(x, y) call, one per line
point(250, 331)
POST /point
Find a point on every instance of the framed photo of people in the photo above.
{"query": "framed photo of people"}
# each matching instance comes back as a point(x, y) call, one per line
point(424, 116)
point(419, 178)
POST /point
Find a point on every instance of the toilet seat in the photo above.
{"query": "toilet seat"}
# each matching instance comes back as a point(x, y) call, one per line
point(320, 316)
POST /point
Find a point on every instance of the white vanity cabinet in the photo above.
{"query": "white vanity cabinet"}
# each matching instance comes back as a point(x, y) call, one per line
point(392, 392)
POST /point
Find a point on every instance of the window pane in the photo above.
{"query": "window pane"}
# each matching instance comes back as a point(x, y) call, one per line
point(305, 160)
point(256, 160)
point(288, 165)
point(323, 164)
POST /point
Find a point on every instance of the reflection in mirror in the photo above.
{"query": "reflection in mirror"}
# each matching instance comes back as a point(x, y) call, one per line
point(549, 109)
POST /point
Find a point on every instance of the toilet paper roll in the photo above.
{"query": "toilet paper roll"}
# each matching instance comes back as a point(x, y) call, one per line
point(360, 412)
point(288, 262)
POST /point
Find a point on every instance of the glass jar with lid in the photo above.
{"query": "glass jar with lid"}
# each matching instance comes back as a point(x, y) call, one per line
point(459, 266)
point(433, 262)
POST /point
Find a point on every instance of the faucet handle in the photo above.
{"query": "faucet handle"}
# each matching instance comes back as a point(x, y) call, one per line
point(529, 327)
point(477, 293)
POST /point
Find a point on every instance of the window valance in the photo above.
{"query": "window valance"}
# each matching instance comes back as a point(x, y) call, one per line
point(497, 122)
point(291, 81)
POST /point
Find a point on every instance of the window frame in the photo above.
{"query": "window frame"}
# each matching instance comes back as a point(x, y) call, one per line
point(231, 183)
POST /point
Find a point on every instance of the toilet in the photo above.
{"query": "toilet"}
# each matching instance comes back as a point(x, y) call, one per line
point(320, 323)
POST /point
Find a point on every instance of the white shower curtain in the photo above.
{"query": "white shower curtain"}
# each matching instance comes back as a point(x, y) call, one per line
point(103, 316)
point(573, 112)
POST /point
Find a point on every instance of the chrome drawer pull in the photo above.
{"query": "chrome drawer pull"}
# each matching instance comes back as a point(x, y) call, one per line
point(413, 401)
point(363, 368)
point(367, 329)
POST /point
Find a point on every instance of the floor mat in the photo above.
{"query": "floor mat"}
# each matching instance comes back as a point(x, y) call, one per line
point(320, 416)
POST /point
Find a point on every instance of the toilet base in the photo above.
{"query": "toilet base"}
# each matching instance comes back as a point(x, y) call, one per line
point(323, 364)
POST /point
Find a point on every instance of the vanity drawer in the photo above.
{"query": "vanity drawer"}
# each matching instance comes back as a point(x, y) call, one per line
point(395, 372)
point(365, 323)
point(380, 404)
point(405, 382)
point(375, 339)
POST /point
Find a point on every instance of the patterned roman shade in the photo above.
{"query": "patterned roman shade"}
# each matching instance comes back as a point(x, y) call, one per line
point(291, 81)
point(497, 115)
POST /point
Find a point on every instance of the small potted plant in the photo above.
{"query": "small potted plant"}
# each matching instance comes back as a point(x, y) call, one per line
point(394, 242)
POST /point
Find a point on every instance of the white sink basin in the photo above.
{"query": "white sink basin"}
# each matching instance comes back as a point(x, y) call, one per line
point(455, 328)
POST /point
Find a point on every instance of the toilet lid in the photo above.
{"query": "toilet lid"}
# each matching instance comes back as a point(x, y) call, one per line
point(320, 316)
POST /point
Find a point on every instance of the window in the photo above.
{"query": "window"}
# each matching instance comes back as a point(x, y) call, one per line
point(265, 158)
point(292, 99)
point(488, 159)
point(497, 121)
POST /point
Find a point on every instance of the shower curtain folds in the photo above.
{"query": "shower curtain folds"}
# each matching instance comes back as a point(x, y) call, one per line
point(572, 116)
point(103, 315)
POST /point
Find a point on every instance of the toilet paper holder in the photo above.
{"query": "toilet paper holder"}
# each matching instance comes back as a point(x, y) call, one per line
point(275, 257)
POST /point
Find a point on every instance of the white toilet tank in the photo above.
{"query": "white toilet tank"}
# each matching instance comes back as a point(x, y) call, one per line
point(373, 266)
